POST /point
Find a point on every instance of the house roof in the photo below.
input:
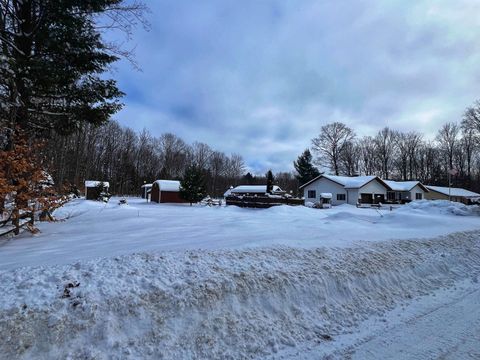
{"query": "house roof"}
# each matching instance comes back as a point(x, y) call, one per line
point(349, 182)
point(168, 185)
point(95, 183)
point(404, 185)
point(453, 191)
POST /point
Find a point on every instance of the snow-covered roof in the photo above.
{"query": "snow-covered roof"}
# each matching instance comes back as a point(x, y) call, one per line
point(253, 189)
point(168, 185)
point(402, 185)
point(453, 191)
point(326, 195)
point(351, 182)
point(147, 185)
point(95, 183)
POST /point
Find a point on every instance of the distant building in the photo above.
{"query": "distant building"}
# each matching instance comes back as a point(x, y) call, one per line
point(166, 191)
point(252, 190)
point(362, 190)
point(146, 189)
point(94, 188)
point(455, 194)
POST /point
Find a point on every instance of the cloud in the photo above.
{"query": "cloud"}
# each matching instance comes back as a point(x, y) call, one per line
point(261, 77)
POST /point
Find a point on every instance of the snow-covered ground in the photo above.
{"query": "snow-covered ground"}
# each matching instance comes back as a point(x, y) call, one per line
point(92, 229)
point(155, 281)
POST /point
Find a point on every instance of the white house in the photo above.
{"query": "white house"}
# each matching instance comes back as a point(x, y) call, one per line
point(347, 190)
point(406, 190)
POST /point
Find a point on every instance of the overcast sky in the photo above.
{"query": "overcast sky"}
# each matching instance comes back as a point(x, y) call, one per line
point(260, 77)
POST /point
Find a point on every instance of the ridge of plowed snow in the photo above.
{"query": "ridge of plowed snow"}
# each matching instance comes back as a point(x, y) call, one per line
point(222, 304)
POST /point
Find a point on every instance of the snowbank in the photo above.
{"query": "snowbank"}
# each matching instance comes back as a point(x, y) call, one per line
point(223, 304)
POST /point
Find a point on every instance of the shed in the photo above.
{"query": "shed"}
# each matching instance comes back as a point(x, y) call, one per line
point(146, 189)
point(455, 194)
point(94, 188)
point(253, 190)
point(166, 191)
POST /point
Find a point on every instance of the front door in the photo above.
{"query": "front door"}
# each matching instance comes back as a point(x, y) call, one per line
point(379, 198)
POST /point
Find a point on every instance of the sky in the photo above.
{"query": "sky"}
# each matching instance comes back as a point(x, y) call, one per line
point(261, 77)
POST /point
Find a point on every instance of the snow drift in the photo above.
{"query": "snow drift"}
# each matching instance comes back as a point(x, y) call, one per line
point(221, 304)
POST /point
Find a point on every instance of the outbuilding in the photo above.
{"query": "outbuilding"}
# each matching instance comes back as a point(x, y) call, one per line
point(252, 190)
point(454, 194)
point(166, 191)
point(146, 189)
point(94, 188)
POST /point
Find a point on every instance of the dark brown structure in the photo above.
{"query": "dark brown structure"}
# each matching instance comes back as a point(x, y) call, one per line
point(93, 189)
point(261, 202)
point(166, 191)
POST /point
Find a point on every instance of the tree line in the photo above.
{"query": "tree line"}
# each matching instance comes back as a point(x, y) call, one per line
point(391, 154)
point(127, 159)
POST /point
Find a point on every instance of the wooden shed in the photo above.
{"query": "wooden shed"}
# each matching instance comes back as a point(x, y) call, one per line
point(93, 188)
point(166, 191)
point(146, 189)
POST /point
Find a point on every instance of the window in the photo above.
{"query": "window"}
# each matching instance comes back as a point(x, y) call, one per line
point(418, 196)
point(341, 197)
point(312, 194)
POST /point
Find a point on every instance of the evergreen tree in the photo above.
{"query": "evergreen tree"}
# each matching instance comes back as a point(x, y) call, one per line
point(192, 186)
point(269, 176)
point(304, 167)
point(52, 63)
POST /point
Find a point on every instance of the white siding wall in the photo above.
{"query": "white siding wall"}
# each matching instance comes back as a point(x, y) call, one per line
point(415, 190)
point(373, 187)
point(324, 185)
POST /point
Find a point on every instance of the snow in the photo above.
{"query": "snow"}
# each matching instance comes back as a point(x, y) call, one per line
point(92, 229)
point(401, 185)
point(222, 304)
point(326, 195)
point(168, 185)
point(351, 182)
point(94, 183)
point(147, 185)
point(453, 191)
point(169, 281)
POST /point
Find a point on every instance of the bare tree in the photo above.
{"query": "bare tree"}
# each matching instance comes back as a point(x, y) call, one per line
point(447, 139)
point(330, 143)
point(385, 147)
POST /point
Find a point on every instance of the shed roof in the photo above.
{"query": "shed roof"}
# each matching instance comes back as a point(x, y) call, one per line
point(453, 191)
point(168, 185)
point(147, 185)
point(95, 183)
point(252, 189)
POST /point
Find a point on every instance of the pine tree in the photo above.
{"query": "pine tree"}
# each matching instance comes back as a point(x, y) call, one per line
point(192, 186)
point(269, 176)
point(52, 64)
point(304, 167)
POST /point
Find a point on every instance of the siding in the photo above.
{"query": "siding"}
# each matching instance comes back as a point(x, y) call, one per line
point(324, 185)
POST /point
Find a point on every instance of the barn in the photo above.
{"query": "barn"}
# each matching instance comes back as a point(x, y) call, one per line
point(93, 188)
point(166, 191)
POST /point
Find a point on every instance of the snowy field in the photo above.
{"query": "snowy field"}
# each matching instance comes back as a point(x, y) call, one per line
point(148, 281)
point(92, 229)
